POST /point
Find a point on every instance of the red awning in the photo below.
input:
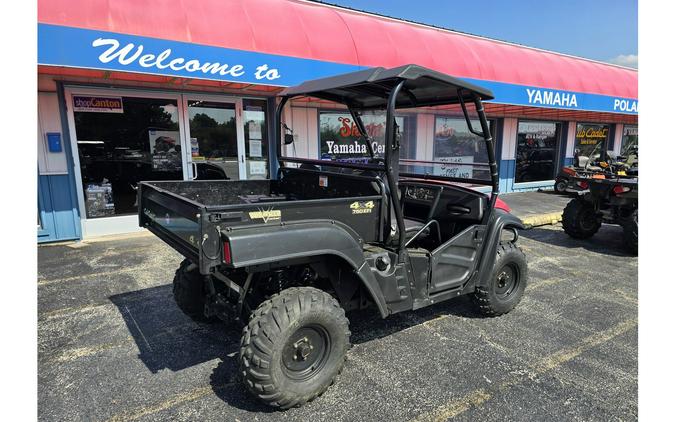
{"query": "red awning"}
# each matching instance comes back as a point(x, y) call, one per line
point(310, 30)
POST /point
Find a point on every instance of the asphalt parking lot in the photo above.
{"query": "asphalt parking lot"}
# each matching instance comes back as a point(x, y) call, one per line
point(113, 346)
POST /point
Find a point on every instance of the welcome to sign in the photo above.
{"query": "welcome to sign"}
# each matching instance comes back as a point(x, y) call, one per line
point(90, 49)
point(85, 48)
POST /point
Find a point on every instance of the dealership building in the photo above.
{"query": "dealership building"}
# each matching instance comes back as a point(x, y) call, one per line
point(131, 91)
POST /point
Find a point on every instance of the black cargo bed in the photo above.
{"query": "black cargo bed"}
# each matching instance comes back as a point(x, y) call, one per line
point(195, 216)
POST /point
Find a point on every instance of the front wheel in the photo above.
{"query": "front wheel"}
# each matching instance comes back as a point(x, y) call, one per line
point(579, 219)
point(504, 289)
point(294, 346)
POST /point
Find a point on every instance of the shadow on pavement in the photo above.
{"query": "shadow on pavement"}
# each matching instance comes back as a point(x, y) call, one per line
point(608, 240)
point(167, 339)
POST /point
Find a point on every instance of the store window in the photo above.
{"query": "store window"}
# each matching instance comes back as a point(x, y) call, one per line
point(340, 139)
point(590, 142)
point(256, 139)
point(629, 140)
point(121, 141)
point(536, 151)
point(456, 145)
point(213, 140)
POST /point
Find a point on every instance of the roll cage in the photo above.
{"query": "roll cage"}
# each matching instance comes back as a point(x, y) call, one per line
point(388, 89)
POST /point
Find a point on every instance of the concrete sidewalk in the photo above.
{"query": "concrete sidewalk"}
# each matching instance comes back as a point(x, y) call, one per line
point(537, 208)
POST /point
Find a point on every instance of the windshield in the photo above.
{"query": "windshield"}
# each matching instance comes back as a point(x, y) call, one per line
point(434, 142)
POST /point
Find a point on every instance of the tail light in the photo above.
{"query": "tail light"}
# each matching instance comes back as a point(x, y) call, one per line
point(618, 189)
point(569, 171)
point(598, 176)
point(227, 252)
point(583, 184)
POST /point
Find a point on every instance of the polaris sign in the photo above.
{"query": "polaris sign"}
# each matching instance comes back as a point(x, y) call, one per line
point(630, 106)
point(90, 49)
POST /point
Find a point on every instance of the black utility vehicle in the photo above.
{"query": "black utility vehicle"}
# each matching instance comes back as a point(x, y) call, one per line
point(612, 200)
point(289, 256)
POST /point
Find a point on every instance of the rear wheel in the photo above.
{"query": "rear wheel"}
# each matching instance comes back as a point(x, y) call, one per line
point(504, 289)
point(560, 186)
point(630, 233)
point(579, 219)
point(294, 346)
point(188, 291)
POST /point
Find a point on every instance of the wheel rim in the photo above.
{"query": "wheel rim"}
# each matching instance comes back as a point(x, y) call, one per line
point(561, 185)
point(507, 281)
point(587, 219)
point(306, 352)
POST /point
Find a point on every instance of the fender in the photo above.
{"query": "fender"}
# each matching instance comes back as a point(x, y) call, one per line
point(303, 239)
point(499, 221)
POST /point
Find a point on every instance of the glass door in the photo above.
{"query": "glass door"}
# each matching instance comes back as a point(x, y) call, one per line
point(214, 139)
point(121, 137)
point(255, 139)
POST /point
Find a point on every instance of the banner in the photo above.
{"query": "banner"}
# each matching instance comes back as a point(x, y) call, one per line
point(91, 49)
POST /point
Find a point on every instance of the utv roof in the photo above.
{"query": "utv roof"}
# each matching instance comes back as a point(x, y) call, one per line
point(370, 88)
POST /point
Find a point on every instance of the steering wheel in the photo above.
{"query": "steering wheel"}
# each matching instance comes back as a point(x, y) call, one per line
point(376, 160)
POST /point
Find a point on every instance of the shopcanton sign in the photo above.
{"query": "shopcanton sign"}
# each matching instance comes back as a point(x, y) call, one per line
point(97, 104)
point(90, 49)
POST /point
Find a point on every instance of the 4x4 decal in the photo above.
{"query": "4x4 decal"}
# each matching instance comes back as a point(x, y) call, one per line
point(362, 207)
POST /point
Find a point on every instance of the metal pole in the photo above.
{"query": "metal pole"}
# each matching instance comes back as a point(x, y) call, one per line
point(489, 144)
point(391, 164)
point(277, 127)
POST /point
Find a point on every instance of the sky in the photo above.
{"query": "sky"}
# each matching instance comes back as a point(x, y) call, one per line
point(604, 30)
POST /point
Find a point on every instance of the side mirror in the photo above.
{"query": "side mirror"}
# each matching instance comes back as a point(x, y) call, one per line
point(288, 138)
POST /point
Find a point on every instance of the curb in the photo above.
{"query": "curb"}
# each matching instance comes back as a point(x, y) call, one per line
point(536, 220)
point(75, 244)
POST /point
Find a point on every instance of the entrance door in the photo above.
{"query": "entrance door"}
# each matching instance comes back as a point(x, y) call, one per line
point(119, 138)
point(215, 141)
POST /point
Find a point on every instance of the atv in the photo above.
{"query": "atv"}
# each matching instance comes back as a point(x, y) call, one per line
point(289, 257)
point(612, 200)
point(624, 165)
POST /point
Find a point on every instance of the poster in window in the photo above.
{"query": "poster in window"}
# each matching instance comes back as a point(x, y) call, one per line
point(456, 145)
point(257, 168)
point(454, 167)
point(341, 140)
point(165, 150)
point(255, 148)
point(194, 147)
point(99, 199)
point(254, 130)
